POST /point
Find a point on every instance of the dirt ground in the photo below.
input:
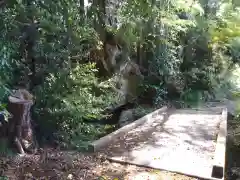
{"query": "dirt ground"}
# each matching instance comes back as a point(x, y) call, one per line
point(54, 164)
point(61, 165)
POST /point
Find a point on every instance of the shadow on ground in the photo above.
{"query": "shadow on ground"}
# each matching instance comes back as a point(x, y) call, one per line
point(233, 151)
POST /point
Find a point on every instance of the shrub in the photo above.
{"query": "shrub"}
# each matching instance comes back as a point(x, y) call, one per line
point(66, 99)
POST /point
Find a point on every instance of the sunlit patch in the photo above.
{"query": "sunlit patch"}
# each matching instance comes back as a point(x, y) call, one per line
point(146, 176)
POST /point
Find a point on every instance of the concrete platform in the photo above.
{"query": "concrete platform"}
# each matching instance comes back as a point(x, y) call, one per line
point(188, 141)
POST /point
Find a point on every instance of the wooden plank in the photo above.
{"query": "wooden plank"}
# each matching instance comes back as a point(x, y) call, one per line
point(218, 169)
point(96, 145)
point(182, 133)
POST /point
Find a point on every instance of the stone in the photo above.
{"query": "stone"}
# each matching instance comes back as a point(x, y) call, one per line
point(126, 117)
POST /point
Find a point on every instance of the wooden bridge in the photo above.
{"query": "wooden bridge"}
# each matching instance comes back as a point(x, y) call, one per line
point(185, 141)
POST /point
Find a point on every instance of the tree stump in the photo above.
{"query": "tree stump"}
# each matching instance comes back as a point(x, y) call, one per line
point(20, 131)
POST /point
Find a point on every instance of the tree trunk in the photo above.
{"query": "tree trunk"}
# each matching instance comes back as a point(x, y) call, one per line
point(81, 10)
point(99, 20)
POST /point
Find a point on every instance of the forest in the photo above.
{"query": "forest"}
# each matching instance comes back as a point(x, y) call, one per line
point(90, 67)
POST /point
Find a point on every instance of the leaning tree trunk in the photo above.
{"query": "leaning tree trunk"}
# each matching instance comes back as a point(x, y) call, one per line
point(20, 130)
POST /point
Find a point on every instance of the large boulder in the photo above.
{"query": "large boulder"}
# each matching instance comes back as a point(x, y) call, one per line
point(130, 115)
point(126, 117)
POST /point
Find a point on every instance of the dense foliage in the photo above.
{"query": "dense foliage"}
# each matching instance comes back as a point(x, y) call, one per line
point(186, 51)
